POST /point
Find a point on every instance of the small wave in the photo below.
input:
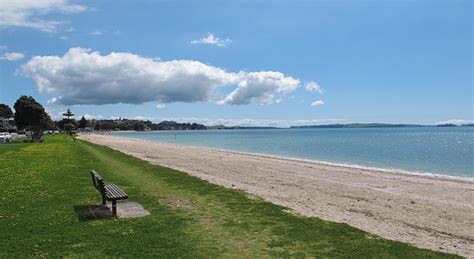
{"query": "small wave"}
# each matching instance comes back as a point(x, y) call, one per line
point(322, 162)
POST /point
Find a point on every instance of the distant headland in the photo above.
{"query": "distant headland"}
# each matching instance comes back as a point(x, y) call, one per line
point(376, 125)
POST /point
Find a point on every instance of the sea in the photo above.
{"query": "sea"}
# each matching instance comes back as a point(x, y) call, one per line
point(440, 151)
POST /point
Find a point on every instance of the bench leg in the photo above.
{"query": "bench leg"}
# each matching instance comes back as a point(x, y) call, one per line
point(103, 200)
point(114, 208)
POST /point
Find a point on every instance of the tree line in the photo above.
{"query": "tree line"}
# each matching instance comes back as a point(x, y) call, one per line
point(31, 116)
point(137, 125)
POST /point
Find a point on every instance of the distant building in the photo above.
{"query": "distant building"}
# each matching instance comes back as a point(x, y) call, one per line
point(7, 124)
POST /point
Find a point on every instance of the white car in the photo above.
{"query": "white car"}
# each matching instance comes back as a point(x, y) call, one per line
point(5, 137)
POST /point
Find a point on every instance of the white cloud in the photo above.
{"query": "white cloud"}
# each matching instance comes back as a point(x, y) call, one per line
point(85, 77)
point(261, 87)
point(160, 106)
point(96, 33)
point(53, 100)
point(313, 87)
point(455, 122)
point(12, 56)
point(317, 103)
point(210, 39)
point(28, 13)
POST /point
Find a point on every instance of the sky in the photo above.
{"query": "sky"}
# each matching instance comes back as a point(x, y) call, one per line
point(251, 63)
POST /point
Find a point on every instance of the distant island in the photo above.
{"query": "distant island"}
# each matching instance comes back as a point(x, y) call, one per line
point(454, 125)
point(446, 125)
point(358, 125)
point(221, 127)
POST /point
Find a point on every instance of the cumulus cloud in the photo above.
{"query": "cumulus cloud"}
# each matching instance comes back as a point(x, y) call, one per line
point(317, 103)
point(53, 100)
point(313, 87)
point(29, 13)
point(12, 56)
point(261, 87)
point(210, 39)
point(85, 77)
point(455, 122)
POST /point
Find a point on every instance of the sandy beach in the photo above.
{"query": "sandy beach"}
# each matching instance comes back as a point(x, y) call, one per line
point(428, 212)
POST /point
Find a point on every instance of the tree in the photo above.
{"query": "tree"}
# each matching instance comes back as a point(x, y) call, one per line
point(5, 111)
point(69, 127)
point(30, 115)
point(69, 124)
point(139, 126)
point(68, 113)
point(83, 123)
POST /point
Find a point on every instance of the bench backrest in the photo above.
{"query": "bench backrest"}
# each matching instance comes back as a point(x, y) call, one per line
point(98, 182)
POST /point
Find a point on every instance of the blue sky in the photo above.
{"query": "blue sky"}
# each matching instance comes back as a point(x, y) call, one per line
point(242, 62)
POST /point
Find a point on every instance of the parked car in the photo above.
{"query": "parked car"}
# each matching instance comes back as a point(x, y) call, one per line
point(5, 137)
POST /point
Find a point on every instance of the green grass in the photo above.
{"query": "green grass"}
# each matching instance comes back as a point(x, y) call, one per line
point(43, 184)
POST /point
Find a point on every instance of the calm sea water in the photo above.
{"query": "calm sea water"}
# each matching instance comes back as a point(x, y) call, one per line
point(447, 151)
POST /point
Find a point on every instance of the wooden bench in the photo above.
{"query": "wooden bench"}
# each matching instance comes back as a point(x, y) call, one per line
point(109, 192)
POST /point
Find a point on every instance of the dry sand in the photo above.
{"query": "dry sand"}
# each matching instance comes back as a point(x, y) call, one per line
point(429, 212)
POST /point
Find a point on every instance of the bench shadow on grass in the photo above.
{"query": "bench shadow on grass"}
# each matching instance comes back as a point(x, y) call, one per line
point(89, 212)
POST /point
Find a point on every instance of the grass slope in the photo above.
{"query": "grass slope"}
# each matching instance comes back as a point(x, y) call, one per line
point(43, 184)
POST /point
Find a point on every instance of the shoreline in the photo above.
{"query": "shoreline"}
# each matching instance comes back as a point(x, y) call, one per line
point(427, 211)
point(323, 162)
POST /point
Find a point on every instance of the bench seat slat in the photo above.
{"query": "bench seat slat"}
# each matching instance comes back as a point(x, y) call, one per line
point(113, 192)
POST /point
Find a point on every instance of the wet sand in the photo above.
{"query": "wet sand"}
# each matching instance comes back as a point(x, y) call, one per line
point(428, 212)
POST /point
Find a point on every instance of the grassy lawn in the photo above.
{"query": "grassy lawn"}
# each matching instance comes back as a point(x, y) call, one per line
point(43, 184)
